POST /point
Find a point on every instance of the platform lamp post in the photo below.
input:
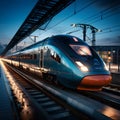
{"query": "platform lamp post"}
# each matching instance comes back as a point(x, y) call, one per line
point(84, 28)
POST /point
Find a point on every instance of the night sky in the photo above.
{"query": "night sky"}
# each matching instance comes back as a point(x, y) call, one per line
point(13, 13)
point(102, 14)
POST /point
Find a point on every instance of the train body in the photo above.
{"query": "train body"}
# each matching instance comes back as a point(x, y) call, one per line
point(65, 59)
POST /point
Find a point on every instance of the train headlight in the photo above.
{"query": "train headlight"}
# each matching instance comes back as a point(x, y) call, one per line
point(81, 66)
point(106, 68)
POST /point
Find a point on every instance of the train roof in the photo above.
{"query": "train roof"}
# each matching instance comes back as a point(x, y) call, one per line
point(68, 39)
point(56, 39)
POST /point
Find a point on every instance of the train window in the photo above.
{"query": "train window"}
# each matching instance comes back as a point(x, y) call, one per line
point(35, 56)
point(58, 59)
point(55, 56)
point(81, 50)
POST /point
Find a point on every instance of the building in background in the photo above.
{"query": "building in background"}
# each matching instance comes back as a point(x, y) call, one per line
point(111, 56)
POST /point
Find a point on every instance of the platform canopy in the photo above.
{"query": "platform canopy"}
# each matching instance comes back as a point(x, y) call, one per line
point(42, 12)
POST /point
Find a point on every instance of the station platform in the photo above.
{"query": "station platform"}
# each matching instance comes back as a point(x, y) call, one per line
point(7, 111)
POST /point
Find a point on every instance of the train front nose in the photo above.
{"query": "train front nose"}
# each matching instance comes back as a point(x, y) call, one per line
point(94, 82)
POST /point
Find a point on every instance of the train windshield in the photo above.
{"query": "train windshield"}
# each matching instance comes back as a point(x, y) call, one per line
point(81, 50)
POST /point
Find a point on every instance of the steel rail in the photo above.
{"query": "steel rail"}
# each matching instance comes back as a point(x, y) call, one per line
point(74, 104)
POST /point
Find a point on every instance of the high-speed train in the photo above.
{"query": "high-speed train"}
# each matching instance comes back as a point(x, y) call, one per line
point(66, 60)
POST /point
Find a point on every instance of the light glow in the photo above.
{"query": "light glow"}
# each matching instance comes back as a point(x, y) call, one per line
point(81, 66)
point(75, 39)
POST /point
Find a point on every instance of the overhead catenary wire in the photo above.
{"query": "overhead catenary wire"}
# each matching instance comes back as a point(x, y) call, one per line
point(103, 14)
point(74, 12)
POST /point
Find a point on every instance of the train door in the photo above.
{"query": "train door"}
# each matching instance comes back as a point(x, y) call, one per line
point(41, 63)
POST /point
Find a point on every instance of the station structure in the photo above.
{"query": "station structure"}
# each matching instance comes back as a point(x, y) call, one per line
point(43, 12)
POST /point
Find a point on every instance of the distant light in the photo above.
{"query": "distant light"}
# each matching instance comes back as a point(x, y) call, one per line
point(81, 66)
point(113, 51)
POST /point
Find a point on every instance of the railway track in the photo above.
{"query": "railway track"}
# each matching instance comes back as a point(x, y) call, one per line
point(54, 107)
point(113, 89)
point(39, 100)
point(105, 98)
